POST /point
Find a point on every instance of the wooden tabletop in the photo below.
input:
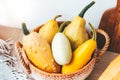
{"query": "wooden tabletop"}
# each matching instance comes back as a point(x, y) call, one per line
point(16, 34)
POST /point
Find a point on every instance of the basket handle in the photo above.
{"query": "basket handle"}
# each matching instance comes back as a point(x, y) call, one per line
point(106, 45)
point(20, 51)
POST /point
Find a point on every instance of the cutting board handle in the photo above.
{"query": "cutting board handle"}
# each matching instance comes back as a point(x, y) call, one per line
point(118, 5)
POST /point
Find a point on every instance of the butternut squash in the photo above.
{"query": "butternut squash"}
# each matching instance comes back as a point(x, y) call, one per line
point(38, 51)
point(112, 72)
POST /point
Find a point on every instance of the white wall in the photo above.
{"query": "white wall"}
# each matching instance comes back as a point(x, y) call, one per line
point(36, 12)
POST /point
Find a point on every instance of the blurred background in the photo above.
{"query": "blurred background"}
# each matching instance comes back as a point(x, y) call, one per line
point(36, 12)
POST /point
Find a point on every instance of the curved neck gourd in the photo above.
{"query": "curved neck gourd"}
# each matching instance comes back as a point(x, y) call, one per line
point(24, 29)
point(94, 36)
point(62, 26)
point(86, 8)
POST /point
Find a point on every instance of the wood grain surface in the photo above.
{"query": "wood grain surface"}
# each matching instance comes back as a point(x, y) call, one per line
point(16, 34)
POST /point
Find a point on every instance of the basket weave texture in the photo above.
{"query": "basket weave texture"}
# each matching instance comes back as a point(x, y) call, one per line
point(78, 75)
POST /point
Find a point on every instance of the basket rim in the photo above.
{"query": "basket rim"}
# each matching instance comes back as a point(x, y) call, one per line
point(93, 60)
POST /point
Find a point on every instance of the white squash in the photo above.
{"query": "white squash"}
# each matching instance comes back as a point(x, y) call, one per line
point(61, 49)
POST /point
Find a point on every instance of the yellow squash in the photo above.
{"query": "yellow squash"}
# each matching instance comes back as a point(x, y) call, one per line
point(38, 51)
point(76, 31)
point(49, 29)
point(81, 55)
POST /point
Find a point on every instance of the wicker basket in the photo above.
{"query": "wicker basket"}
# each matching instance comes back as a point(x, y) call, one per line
point(78, 75)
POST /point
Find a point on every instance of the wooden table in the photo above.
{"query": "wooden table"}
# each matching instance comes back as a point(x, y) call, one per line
point(16, 34)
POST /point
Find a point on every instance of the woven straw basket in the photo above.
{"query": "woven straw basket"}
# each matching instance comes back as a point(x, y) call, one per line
point(78, 75)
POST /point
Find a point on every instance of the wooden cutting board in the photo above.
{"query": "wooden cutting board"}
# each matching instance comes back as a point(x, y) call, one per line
point(16, 34)
point(110, 22)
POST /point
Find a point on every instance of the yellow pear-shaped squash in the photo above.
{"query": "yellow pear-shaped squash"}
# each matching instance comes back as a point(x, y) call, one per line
point(49, 29)
point(76, 31)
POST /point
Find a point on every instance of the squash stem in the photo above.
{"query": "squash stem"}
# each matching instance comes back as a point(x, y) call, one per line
point(57, 16)
point(94, 37)
point(62, 26)
point(24, 29)
point(86, 8)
